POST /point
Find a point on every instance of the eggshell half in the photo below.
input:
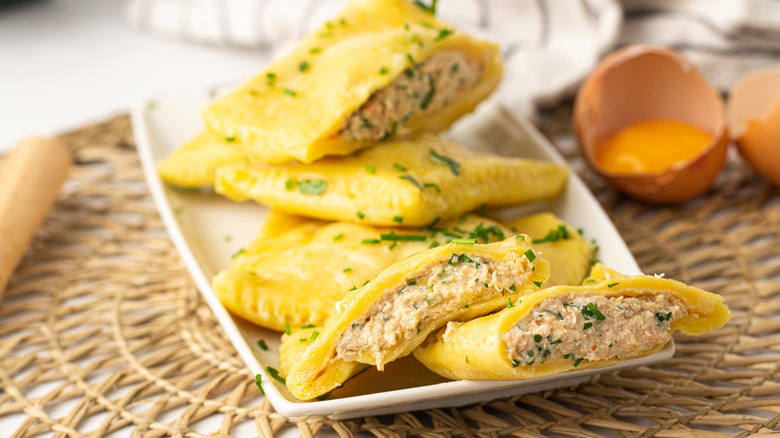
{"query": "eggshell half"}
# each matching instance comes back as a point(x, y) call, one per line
point(643, 82)
point(754, 119)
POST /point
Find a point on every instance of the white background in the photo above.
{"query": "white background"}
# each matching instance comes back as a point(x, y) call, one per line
point(65, 63)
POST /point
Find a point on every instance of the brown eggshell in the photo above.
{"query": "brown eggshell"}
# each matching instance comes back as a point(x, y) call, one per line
point(643, 82)
point(754, 119)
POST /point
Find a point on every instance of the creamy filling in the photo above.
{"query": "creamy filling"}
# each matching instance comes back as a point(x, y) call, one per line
point(424, 88)
point(425, 301)
point(592, 327)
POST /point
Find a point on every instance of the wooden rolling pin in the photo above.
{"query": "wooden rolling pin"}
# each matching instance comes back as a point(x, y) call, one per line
point(30, 177)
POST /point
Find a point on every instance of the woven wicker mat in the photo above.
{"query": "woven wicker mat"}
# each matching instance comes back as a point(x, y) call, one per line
point(101, 329)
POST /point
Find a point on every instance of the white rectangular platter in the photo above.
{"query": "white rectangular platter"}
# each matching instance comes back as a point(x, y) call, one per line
point(208, 229)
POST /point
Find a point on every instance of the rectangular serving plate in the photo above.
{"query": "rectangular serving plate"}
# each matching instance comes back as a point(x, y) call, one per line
point(207, 229)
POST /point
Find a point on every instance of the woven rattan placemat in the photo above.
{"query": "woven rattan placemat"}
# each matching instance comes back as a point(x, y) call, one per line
point(101, 329)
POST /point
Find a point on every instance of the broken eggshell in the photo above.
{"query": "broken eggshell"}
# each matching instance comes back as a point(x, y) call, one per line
point(754, 120)
point(644, 82)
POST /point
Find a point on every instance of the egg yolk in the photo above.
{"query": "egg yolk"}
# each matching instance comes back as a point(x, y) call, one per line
point(650, 146)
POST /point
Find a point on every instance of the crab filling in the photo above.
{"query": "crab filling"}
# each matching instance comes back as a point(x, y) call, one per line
point(592, 327)
point(426, 301)
point(424, 88)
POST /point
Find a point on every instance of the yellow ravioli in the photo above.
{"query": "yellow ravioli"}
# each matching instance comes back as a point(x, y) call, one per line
point(407, 301)
point(297, 107)
point(419, 180)
point(479, 350)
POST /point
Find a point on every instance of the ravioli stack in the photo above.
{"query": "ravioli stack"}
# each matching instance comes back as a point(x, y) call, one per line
point(369, 253)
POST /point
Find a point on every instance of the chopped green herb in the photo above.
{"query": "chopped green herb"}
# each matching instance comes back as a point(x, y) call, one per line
point(290, 92)
point(364, 122)
point(314, 335)
point(557, 341)
point(410, 58)
point(537, 338)
point(383, 70)
point(441, 159)
point(578, 361)
point(433, 186)
point(661, 317)
point(594, 261)
point(370, 241)
point(343, 22)
point(412, 180)
point(466, 306)
point(399, 167)
point(302, 339)
point(443, 33)
point(587, 326)
point(610, 345)
point(270, 79)
point(512, 288)
point(393, 128)
point(398, 219)
point(347, 270)
point(392, 245)
point(275, 374)
point(230, 139)
point(227, 238)
point(592, 312)
point(560, 233)
point(392, 236)
point(555, 314)
point(433, 244)
point(289, 184)
point(428, 97)
point(313, 186)
point(307, 326)
point(360, 215)
point(530, 255)
point(454, 67)
point(611, 285)
point(509, 303)
point(263, 346)
point(259, 383)
point(467, 358)
point(538, 283)
point(515, 363)
point(304, 66)
point(338, 237)
point(314, 50)
point(464, 241)
point(427, 8)
point(589, 281)
point(356, 325)
point(237, 253)
point(287, 328)
point(370, 169)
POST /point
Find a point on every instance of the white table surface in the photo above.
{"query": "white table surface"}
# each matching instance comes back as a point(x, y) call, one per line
point(66, 63)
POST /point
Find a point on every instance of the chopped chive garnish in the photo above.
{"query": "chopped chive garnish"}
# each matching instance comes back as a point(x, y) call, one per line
point(347, 270)
point(427, 8)
point(611, 285)
point(289, 184)
point(530, 255)
point(303, 66)
point(661, 317)
point(538, 283)
point(592, 312)
point(275, 374)
point(515, 363)
point(383, 70)
point(578, 361)
point(560, 233)
point(399, 167)
point(428, 97)
point(464, 241)
point(314, 50)
point(287, 328)
point(312, 186)
point(392, 245)
point(370, 169)
point(587, 325)
point(398, 219)
point(434, 186)
point(537, 338)
point(230, 139)
point(443, 33)
point(410, 58)
point(393, 128)
point(306, 326)
point(556, 314)
point(338, 237)
point(370, 241)
point(403, 237)
point(290, 92)
point(360, 215)
point(314, 335)
point(559, 341)
point(433, 244)
point(411, 179)
point(467, 358)
point(237, 253)
point(259, 383)
point(263, 346)
point(441, 159)
point(509, 303)
point(302, 339)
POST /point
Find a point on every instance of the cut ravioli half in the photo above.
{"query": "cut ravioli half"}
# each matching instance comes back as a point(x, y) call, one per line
point(298, 268)
point(417, 180)
point(380, 69)
point(392, 314)
point(610, 318)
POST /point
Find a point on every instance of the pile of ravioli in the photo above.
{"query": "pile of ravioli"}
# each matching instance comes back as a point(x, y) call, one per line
point(371, 250)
